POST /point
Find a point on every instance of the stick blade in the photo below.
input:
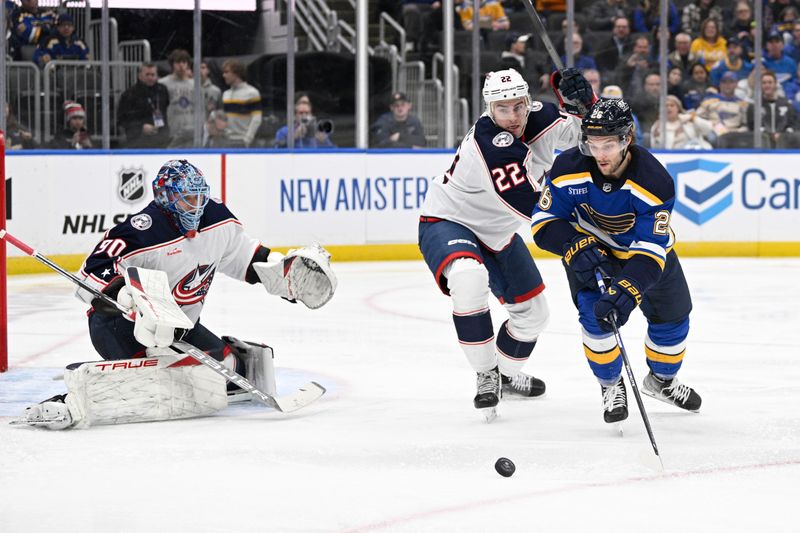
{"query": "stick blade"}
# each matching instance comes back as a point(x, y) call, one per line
point(305, 395)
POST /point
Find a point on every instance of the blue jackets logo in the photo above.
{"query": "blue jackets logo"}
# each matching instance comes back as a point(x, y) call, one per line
point(704, 188)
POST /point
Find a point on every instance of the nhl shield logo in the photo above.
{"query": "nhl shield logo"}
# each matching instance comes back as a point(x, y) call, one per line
point(131, 185)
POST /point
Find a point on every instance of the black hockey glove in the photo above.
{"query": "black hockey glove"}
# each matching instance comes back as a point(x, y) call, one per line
point(574, 92)
point(583, 255)
point(617, 303)
point(111, 290)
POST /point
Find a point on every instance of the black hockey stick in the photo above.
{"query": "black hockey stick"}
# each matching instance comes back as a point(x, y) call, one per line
point(541, 31)
point(285, 404)
point(599, 274)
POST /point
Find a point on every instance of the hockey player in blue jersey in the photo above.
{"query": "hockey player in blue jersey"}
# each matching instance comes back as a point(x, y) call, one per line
point(607, 205)
point(468, 231)
point(190, 237)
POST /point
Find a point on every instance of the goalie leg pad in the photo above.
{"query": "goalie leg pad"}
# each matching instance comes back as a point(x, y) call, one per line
point(259, 363)
point(142, 390)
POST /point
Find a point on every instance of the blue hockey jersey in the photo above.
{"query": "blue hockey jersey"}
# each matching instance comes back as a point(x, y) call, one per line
point(630, 215)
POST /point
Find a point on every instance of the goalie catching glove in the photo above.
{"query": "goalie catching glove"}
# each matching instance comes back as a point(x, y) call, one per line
point(303, 274)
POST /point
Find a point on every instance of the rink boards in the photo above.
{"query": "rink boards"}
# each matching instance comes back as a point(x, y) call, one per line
point(365, 205)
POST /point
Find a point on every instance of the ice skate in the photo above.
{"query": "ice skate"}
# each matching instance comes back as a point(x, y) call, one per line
point(671, 391)
point(51, 413)
point(488, 395)
point(615, 402)
point(522, 385)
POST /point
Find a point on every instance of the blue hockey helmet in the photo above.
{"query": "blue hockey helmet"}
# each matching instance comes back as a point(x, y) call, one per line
point(181, 190)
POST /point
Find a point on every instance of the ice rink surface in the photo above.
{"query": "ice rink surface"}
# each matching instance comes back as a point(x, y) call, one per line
point(395, 444)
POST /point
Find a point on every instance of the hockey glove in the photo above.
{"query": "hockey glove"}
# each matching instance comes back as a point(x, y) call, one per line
point(303, 274)
point(574, 92)
point(583, 255)
point(617, 303)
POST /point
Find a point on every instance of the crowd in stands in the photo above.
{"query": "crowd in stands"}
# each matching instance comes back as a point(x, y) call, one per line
point(614, 43)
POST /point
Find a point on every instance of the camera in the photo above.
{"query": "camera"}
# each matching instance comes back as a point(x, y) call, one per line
point(325, 126)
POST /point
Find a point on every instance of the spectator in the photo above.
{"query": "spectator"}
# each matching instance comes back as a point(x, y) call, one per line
point(580, 60)
point(398, 128)
point(32, 26)
point(143, 111)
point(710, 47)
point(604, 14)
point(242, 104)
point(792, 48)
point(685, 131)
point(491, 16)
point(784, 68)
point(180, 86)
point(630, 73)
point(696, 13)
point(726, 111)
point(647, 17)
point(645, 102)
point(62, 45)
point(514, 54)
point(740, 25)
point(611, 52)
point(216, 130)
point(308, 131)
point(772, 13)
point(615, 91)
point(792, 90)
point(18, 137)
point(734, 62)
point(675, 82)
point(695, 87)
point(12, 46)
point(211, 93)
point(778, 116)
point(74, 136)
point(592, 75)
point(682, 56)
point(785, 23)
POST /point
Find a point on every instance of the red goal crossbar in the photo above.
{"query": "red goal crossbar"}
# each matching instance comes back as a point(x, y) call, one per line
point(3, 265)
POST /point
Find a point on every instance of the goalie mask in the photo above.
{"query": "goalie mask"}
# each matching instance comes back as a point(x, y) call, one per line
point(508, 103)
point(181, 190)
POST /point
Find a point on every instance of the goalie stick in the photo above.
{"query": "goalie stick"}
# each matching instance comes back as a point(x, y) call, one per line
point(600, 275)
point(304, 396)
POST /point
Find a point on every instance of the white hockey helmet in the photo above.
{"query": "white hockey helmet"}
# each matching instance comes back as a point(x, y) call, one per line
point(504, 85)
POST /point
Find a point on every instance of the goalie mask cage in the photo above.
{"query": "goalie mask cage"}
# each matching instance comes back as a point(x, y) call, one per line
point(3, 268)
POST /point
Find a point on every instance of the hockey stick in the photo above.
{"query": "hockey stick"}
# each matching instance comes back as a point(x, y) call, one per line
point(599, 275)
point(285, 404)
point(539, 28)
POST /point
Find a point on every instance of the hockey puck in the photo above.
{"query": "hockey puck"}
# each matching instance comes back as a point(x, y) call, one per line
point(505, 467)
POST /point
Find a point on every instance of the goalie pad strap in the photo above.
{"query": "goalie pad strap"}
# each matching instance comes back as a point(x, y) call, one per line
point(142, 390)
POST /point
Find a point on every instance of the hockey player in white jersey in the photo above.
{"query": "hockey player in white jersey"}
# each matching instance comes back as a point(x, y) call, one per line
point(468, 231)
point(190, 237)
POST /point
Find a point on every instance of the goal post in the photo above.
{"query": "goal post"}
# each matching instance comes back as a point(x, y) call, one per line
point(3, 262)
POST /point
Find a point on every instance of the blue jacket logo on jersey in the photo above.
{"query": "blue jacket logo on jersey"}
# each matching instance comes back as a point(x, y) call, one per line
point(193, 287)
point(704, 194)
point(131, 184)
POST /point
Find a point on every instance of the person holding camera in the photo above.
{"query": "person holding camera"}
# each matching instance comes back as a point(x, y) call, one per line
point(74, 136)
point(309, 132)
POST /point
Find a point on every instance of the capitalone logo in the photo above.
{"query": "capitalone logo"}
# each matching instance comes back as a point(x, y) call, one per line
point(704, 188)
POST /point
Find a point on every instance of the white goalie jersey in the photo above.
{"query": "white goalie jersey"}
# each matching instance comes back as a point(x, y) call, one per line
point(150, 239)
point(494, 182)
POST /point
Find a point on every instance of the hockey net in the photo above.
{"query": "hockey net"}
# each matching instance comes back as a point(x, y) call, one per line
point(3, 267)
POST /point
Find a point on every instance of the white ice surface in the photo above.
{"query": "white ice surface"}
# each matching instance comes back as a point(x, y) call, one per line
point(395, 444)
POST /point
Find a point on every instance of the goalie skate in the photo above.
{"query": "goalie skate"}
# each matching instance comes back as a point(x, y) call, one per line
point(488, 395)
point(51, 414)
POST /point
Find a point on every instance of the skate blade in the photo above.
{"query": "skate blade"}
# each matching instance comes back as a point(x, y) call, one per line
point(489, 414)
point(620, 429)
